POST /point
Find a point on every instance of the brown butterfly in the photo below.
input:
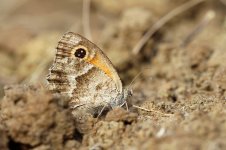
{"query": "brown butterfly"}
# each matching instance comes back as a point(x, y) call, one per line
point(84, 73)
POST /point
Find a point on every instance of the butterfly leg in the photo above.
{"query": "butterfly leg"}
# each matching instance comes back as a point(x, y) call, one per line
point(125, 103)
point(127, 108)
point(101, 111)
point(76, 106)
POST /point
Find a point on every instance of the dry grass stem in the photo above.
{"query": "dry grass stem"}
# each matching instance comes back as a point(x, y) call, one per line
point(154, 111)
point(86, 19)
point(205, 21)
point(186, 6)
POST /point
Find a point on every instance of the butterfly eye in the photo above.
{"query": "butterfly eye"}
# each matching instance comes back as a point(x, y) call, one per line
point(80, 53)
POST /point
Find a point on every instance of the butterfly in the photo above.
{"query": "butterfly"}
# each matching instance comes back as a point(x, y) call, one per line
point(82, 72)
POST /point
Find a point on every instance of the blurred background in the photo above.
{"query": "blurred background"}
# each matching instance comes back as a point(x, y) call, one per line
point(30, 30)
point(177, 47)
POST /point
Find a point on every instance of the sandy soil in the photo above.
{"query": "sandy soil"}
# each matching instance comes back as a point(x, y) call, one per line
point(181, 87)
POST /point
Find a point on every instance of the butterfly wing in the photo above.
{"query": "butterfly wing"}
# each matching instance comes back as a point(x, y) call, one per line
point(82, 72)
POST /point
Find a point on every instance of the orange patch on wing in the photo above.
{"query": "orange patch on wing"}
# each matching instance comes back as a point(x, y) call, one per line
point(99, 62)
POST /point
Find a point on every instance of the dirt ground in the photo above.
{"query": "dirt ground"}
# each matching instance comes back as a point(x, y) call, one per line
point(178, 76)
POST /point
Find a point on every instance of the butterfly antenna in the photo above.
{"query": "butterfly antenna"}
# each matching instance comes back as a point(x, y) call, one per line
point(136, 77)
